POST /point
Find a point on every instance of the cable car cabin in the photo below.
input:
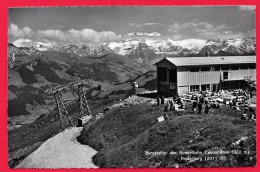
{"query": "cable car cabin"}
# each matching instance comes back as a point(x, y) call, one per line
point(190, 74)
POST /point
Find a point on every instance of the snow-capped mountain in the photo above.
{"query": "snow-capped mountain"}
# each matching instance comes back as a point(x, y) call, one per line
point(123, 47)
point(143, 47)
point(237, 46)
point(23, 43)
point(141, 34)
point(14, 51)
point(42, 46)
point(186, 47)
point(81, 50)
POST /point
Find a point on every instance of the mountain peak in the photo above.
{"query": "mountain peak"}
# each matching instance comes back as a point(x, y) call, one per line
point(22, 42)
point(142, 34)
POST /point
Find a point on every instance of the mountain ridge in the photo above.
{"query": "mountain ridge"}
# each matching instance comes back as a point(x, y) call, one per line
point(160, 46)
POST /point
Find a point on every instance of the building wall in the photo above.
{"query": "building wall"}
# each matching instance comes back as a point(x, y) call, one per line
point(166, 87)
point(209, 80)
point(240, 74)
point(185, 78)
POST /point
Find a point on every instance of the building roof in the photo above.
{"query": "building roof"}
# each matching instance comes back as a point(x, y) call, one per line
point(196, 61)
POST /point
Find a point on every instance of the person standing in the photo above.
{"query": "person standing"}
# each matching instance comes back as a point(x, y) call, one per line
point(194, 106)
point(171, 105)
point(206, 99)
point(199, 107)
point(206, 108)
point(201, 99)
point(158, 100)
point(162, 100)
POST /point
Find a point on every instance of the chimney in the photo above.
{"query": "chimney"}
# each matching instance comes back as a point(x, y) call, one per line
point(207, 54)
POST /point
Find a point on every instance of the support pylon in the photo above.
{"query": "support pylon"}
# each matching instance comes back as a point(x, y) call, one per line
point(83, 103)
point(61, 109)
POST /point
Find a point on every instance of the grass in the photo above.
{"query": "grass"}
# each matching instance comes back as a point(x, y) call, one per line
point(22, 141)
point(124, 134)
point(25, 95)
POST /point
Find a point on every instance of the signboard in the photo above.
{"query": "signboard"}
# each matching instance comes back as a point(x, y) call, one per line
point(161, 119)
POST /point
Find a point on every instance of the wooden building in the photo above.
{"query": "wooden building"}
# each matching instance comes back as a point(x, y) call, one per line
point(190, 74)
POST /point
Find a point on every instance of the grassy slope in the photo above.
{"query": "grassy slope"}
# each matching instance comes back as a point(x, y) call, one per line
point(124, 134)
point(22, 141)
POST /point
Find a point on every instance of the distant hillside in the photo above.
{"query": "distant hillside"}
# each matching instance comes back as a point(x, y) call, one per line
point(35, 66)
point(32, 71)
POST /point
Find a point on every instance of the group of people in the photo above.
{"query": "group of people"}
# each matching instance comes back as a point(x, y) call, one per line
point(249, 114)
point(201, 103)
point(246, 94)
point(198, 102)
point(160, 100)
point(238, 92)
point(172, 104)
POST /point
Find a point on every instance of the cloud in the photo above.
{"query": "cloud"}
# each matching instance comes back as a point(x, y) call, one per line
point(150, 24)
point(90, 35)
point(27, 30)
point(190, 25)
point(134, 25)
point(78, 36)
point(52, 34)
point(70, 36)
point(140, 25)
point(203, 30)
point(246, 8)
point(15, 31)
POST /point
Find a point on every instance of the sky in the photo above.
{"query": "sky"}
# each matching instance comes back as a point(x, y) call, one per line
point(103, 24)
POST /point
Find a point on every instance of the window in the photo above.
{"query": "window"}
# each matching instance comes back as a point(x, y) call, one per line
point(225, 67)
point(234, 67)
point(217, 68)
point(214, 87)
point(173, 75)
point(248, 66)
point(162, 74)
point(251, 66)
point(183, 68)
point(205, 69)
point(226, 75)
point(244, 66)
point(205, 87)
point(172, 88)
point(194, 88)
point(194, 69)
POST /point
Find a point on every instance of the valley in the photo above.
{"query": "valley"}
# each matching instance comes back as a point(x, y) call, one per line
point(34, 67)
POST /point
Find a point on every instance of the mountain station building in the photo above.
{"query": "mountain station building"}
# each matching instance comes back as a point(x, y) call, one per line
point(190, 74)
